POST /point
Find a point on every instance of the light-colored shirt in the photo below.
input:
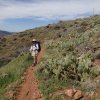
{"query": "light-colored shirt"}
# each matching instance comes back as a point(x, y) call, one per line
point(34, 47)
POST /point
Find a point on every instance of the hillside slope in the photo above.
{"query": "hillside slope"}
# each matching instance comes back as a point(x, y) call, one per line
point(71, 60)
point(70, 68)
point(12, 46)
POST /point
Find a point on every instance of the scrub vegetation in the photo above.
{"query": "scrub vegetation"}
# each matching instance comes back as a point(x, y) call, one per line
point(12, 72)
point(71, 51)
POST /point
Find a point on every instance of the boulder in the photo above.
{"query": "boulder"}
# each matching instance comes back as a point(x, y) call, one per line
point(69, 92)
point(78, 95)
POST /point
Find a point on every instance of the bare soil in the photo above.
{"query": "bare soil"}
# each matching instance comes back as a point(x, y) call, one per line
point(28, 90)
point(97, 62)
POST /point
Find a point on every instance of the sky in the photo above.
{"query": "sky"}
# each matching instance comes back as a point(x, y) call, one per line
point(19, 15)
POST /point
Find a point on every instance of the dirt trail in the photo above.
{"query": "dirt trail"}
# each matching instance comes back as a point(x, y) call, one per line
point(28, 90)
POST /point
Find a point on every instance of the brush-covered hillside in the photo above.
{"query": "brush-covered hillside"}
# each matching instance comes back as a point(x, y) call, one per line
point(11, 46)
point(71, 58)
point(72, 61)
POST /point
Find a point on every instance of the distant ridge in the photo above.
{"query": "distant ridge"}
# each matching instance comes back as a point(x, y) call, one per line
point(4, 33)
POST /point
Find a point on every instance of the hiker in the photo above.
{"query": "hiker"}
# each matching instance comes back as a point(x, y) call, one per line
point(35, 49)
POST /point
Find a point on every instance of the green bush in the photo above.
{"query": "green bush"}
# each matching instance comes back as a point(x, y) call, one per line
point(62, 60)
point(13, 70)
point(95, 70)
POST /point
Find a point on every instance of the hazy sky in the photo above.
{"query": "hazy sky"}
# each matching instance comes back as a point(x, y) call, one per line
point(18, 15)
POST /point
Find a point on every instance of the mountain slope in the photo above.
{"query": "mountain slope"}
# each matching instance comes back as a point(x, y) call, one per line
point(70, 62)
point(11, 46)
point(4, 33)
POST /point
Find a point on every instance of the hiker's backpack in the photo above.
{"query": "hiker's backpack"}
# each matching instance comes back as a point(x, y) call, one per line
point(39, 46)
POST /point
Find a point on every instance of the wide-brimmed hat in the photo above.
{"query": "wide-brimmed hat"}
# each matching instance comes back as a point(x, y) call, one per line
point(34, 40)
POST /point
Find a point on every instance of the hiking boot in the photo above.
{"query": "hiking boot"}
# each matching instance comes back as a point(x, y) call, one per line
point(34, 64)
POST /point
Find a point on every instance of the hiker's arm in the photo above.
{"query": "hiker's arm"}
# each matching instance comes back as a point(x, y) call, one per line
point(30, 49)
point(37, 47)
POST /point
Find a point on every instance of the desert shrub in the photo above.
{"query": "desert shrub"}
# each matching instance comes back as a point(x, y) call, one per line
point(97, 21)
point(14, 39)
point(65, 66)
point(88, 84)
point(84, 63)
point(84, 23)
point(23, 40)
point(4, 45)
point(57, 98)
point(3, 39)
point(31, 35)
point(1, 48)
point(4, 61)
point(22, 34)
point(81, 29)
point(95, 71)
point(62, 61)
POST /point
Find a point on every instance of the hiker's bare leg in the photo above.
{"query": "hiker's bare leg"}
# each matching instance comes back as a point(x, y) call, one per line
point(34, 60)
